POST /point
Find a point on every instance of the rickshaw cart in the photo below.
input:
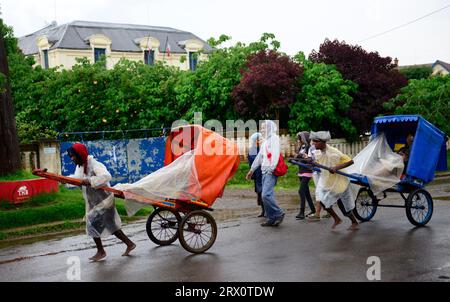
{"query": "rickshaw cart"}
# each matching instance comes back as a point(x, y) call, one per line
point(427, 154)
point(185, 219)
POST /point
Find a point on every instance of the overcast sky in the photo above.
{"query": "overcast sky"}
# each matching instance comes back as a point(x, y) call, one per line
point(298, 25)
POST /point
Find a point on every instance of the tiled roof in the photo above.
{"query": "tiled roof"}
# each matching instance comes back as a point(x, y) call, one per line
point(123, 36)
point(443, 64)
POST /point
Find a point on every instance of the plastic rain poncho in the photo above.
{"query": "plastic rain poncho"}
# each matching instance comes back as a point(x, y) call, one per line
point(376, 161)
point(331, 187)
point(101, 217)
point(178, 180)
point(270, 146)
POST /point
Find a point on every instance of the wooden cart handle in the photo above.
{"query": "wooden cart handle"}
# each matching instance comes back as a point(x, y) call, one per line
point(73, 181)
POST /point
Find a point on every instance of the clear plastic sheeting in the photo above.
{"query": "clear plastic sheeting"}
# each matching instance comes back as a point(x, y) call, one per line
point(177, 180)
point(331, 187)
point(376, 161)
point(379, 163)
point(101, 216)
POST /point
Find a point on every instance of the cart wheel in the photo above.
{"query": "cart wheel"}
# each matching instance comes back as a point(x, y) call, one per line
point(419, 207)
point(162, 226)
point(365, 205)
point(198, 231)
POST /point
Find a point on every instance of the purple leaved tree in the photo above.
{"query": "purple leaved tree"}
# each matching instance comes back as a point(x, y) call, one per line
point(268, 85)
point(377, 78)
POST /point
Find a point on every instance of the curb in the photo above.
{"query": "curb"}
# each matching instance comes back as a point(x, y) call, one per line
point(442, 175)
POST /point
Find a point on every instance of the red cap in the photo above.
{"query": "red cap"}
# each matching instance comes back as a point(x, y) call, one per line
point(82, 151)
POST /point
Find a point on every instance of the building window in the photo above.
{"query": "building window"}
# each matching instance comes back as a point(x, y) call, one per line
point(149, 57)
point(98, 53)
point(193, 56)
point(45, 55)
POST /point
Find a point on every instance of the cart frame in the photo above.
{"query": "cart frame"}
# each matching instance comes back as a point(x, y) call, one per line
point(196, 230)
point(428, 153)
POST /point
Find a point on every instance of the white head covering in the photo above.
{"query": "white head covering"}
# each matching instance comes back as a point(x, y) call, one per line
point(304, 136)
point(254, 137)
point(320, 136)
point(271, 128)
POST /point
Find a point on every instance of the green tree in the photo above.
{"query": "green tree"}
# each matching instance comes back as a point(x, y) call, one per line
point(416, 73)
point(323, 101)
point(377, 77)
point(91, 98)
point(26, 89)
point(428, 97)
point(8, 36)
point(208, 89)
point(9, 144)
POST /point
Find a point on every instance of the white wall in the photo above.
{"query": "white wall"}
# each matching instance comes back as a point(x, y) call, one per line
point(67, 58)
point(439, 70)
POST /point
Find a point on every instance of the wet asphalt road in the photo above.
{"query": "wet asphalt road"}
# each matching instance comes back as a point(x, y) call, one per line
point(245, 251)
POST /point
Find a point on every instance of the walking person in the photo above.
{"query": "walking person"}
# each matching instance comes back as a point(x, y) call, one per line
point(331, 187)
point(255, 141)
point(101, 217)
point(304, 175)
point(267, 159)
point(315, 176)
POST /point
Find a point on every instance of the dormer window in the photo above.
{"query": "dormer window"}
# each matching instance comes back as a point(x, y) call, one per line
point(45, 58)
point(98, 53)
point(43, 45)
point(193, 59)
point(101, 46)
point(193, 47)
point(149, 47)
point(149, 57)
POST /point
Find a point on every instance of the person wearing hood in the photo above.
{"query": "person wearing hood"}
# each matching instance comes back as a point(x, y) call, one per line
point(331, 187)
point(255, 140)
point(267, 159)
point(101, 217)
point(304, 175)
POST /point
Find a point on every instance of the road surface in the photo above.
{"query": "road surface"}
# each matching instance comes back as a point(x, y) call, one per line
point(245, 251)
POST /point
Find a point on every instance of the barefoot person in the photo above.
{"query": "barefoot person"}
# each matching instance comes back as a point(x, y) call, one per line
point(333, 187)
point(101, 217)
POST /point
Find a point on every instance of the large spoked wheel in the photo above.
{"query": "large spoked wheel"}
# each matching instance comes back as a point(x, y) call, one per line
point(162, 226)
point(419, 207)
point(198, 231)
point(365, 205)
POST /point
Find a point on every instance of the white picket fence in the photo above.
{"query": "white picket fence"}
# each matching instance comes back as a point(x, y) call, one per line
point(289, 145)
point(40, 158)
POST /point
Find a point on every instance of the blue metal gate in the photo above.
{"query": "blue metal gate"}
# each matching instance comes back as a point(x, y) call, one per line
point(128, 160)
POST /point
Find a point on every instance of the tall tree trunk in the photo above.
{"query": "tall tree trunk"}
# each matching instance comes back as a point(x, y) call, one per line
point(9, 143)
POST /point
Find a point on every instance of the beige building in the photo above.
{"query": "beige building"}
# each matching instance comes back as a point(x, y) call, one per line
point(440, 68)
point(61, 45)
